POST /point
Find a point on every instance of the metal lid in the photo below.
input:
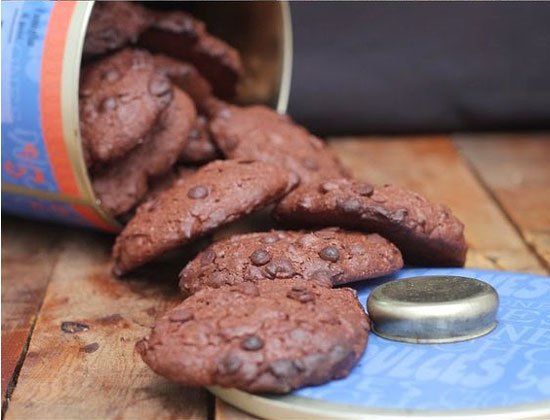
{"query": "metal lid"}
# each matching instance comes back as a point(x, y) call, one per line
point(433, 309)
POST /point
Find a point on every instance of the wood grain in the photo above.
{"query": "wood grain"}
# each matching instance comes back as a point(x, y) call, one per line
point(27, 262)
point(516, 169)
point(81, 361)
point(432, 166)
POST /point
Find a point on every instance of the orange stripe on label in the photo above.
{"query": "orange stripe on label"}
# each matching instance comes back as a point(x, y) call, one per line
point(51, 112)
point(50, 97)
point(91, 216)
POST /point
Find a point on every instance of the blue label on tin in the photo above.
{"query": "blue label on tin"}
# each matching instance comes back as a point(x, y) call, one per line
point(35, 208)
point(24, 158)
point(507, 367)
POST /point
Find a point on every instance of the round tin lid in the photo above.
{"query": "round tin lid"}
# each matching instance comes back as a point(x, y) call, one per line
point(503, 374)
point(433, 309)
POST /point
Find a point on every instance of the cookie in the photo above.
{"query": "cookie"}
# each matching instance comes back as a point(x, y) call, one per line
point(200, 147)
point(426, 233)
point(185, 76)
point(121, 97)
point(331, 256)
point(268, 337)
point(260, 133)
point(215, 195)
point(113, 24)
point(179, 35)
point(123, 183)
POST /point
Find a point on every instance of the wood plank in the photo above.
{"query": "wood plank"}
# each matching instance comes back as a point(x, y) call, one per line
point(516, 169)
point(81, 361)
point(27, 262)
point(432, 166)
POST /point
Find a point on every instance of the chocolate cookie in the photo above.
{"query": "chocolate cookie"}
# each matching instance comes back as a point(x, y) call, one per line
point(426, 233)
point(123, 183)
point(260, 133)
point(332, 256)
point(215, 195)
point(121, 97)
point(268, 337)
point(200, 147)
point(179, 35)
point(186, 77)
point(113, 24)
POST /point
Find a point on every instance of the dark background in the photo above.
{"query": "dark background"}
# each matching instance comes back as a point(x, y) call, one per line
point(364, 67)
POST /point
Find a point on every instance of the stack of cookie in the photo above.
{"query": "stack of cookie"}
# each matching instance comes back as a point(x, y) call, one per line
point(262, 312)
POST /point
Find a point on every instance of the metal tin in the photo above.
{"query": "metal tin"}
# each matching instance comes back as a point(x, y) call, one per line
point(43, 171)
point(433, 309)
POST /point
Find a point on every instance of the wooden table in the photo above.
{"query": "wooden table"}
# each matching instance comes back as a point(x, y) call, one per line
point(69, 328)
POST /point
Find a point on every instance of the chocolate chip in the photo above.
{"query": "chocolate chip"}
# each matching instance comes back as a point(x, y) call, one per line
point(327, 186)
point(349, 206)
point(260, 257)
point(197, 192)
point(280, 268)
point(270, 239)
point(339, 353)
point(310, 164)
point(180, 315)
point(111, 75)
point(301, 294)
point(180, 24)
point(252, 343)
point(248, 288)
point(305, 203)
point(73, 327)
point(159, 86)
point(108, 104)
point(330, 253)
point(283, 368)
point(208, 257)
point(365, 189)
point(357, 249)
point(90, 348)
point(229, 364)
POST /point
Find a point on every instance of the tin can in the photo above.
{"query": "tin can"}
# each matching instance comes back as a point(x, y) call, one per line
point(43, 171)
